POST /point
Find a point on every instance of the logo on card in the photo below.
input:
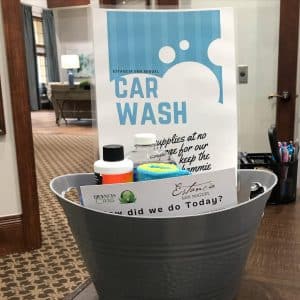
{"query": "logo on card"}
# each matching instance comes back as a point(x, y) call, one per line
point(105, 198)
point(127, 197)
point(196, 189)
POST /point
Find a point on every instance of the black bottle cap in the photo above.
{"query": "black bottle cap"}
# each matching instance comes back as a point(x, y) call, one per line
point(113, 152)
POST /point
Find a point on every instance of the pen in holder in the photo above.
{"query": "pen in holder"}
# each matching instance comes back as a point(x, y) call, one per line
point(285, 189)
point(285, 165)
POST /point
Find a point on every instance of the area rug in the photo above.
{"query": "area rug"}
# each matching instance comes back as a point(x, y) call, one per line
point(56, 270)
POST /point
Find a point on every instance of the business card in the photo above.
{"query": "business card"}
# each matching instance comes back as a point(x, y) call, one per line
point(172, 197)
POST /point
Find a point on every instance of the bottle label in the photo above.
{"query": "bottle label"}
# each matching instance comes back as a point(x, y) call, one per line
point(117, 178)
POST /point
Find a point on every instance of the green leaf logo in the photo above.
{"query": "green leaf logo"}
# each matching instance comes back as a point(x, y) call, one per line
point(127, 197)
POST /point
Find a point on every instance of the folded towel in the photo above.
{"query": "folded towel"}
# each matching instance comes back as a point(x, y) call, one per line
point(152, 171)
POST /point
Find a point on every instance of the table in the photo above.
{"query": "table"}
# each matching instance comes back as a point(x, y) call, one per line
point(70, 102)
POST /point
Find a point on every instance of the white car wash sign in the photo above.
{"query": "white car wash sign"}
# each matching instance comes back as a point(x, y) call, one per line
point(171, 73)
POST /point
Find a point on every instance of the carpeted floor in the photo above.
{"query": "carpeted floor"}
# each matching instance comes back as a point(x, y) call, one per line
point(56, 270)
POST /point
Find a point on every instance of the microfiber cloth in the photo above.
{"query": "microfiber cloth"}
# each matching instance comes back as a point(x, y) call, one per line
point(152, 171)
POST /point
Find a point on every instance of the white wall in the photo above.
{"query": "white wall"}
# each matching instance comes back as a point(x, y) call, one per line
point(37, 3)
point(37, 6)
point(73, 35)
point(10, 203)
point(257, 33)
point(126, 4)
point(132, 4)
point(73, 32)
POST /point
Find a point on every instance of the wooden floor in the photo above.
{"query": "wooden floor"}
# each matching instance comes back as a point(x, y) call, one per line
point(43, 121)
point(273, 267)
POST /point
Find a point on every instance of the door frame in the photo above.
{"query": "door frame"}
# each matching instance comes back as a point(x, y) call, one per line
point(15, 50)
point(2, 119)
point(29, 228)
point(287, 68)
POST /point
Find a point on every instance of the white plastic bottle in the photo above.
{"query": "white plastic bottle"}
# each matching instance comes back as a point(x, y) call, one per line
point(146, 151)
point(113, 168)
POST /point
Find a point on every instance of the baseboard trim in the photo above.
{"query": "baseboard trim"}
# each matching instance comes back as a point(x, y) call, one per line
point(11, 235)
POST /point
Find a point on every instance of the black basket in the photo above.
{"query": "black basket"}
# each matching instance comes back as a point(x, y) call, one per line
point(286, 188)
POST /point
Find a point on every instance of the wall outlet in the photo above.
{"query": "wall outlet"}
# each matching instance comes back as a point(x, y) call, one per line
point(243, 74)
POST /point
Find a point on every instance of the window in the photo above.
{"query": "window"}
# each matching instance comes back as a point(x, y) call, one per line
point(40, 49)
point(38, 31)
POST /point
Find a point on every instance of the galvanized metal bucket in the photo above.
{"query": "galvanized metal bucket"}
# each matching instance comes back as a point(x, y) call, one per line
point(185, 258)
